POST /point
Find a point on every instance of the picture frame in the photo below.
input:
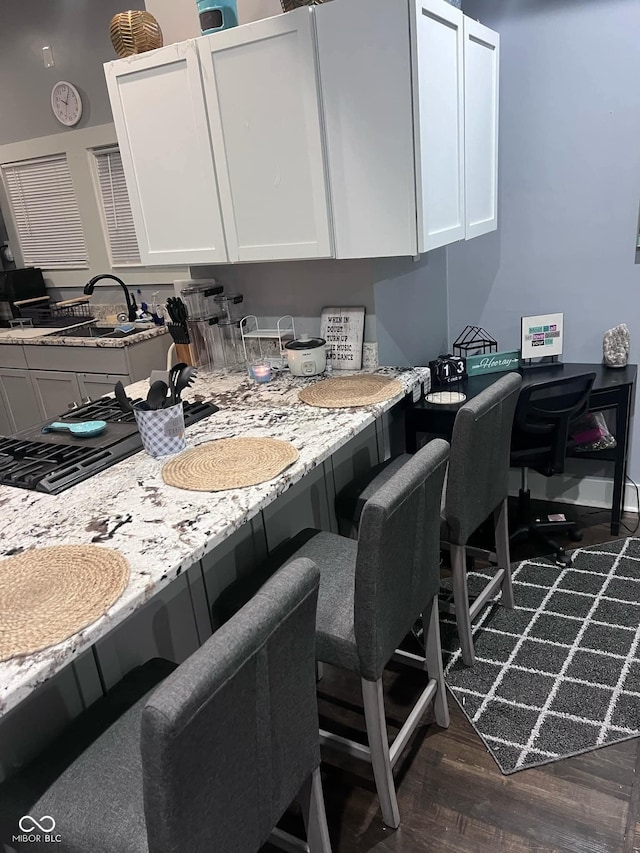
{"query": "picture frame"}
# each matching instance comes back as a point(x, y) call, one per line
point(541, 335)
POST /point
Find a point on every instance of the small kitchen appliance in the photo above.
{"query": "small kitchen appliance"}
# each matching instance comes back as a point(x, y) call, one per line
point(306, 356)
point(217, 16)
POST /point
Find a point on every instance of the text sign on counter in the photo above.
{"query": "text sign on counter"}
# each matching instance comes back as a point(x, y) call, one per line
point(343, 330)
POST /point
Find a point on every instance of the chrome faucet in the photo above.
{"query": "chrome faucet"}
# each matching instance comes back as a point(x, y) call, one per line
point(130, 299)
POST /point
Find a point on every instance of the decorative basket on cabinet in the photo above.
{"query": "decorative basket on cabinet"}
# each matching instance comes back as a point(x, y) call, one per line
point(134, 32)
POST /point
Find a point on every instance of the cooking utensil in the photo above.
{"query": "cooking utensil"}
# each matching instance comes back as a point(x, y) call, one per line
point(173, 375)
point(85, 429)
point(157, 394)
point(185, 378)
point(121, 396)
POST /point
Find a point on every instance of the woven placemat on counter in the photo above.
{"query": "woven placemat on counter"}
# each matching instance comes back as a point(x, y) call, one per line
point(49, 594)
point(346, 391)
point(229, 463)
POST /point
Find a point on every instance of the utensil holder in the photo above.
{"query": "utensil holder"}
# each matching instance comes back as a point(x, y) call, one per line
point(161, 430)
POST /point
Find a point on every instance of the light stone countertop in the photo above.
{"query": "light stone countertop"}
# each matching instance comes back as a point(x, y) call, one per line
point(49, 337)
point(162, 530)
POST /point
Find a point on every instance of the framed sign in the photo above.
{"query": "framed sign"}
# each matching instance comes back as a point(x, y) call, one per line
point(495, 362)
point(343, 330)
point(542, 335)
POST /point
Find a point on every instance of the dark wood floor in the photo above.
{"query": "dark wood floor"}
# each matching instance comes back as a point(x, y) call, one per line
point(451, 793)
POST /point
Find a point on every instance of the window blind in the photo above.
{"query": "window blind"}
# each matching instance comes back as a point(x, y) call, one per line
point(118, 220)
point(45, 213)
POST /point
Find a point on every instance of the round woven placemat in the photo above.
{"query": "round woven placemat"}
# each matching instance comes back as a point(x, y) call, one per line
point(48, 594)
point(345, 391)
point(229, 463)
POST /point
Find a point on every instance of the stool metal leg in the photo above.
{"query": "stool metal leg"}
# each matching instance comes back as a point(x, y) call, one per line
point(373, 701)
point(461, 601)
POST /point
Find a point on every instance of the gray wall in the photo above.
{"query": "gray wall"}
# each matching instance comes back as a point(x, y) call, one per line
point(78, 31)
point(411, 308)
point(405, 301)
point(569, 177)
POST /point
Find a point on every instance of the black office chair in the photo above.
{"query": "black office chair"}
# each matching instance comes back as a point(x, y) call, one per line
point(540, 440)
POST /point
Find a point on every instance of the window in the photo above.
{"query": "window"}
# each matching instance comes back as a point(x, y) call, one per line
point(116, 210)
point(45, 213)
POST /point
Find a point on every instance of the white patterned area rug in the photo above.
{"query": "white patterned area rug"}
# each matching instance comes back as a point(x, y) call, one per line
point(560, 674)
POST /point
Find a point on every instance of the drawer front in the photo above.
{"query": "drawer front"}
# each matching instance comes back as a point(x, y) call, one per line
point(96, 385)
point(87, 359)
point(12, 355)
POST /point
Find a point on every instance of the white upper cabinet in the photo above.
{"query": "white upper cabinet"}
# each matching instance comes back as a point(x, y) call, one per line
point(263, 105)
point(438, 86)
point(350, 129)
point(161, 123)
point(364, 55)
point(392, 80)
point(481, 67)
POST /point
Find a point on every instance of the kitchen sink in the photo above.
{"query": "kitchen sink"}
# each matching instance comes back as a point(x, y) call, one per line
point(94, 332)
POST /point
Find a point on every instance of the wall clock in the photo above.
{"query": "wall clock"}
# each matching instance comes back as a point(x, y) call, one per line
point(66, 103)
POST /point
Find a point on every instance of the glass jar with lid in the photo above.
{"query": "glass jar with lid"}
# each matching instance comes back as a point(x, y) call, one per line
point(227, 307)
point(199, 297)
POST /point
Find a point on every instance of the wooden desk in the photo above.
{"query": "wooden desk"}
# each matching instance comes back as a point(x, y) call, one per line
point(613, 390)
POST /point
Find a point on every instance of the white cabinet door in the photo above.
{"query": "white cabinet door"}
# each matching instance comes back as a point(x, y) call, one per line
point(161, 124)
point(481, 73)
point(439, 122)
point(364, 56)
point(262, 97)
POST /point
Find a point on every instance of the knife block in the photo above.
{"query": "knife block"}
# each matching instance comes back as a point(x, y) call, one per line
point(185, 354)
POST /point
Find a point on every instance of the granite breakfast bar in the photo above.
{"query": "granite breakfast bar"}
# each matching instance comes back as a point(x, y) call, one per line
point(183, 547)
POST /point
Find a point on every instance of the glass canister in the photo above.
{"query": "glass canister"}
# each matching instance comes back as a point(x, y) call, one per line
point(227, 307)
point(199, 297)
point(224, 343)
point(202, 336)
point(231, 344)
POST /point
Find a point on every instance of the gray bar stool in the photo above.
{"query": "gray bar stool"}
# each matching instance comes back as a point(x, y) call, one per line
point(212, 758)
point(371, 593)
point(477, 486)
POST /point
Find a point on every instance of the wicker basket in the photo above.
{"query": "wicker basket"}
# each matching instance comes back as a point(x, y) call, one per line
point(134, 32)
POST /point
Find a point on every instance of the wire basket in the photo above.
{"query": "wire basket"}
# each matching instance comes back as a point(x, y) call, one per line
point(57, 315)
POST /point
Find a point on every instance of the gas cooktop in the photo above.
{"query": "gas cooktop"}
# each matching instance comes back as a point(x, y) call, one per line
point(55, 461)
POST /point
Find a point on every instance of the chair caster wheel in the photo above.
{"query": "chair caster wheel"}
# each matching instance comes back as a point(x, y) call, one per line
point(575, 535)
point(563, 560)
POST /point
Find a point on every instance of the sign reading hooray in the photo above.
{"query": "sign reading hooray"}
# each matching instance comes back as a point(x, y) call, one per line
point(493, 362)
